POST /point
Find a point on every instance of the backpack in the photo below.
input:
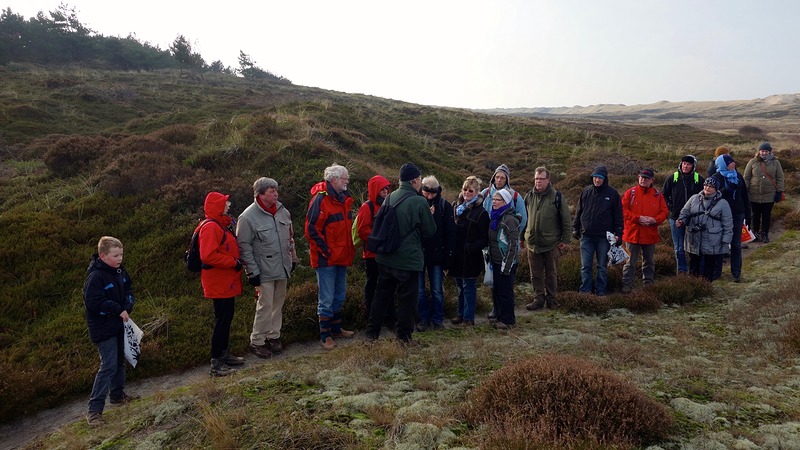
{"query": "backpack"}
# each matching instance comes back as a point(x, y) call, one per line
point(193, 262)
point(385, 235)
point(354, 229)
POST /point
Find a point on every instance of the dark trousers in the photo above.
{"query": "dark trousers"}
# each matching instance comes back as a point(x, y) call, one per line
point(736, 250)
point(373, 272)
point(762, 217)
point(403, 283)
point(111, 376)
point(503, 294)
point(223, 316)
point(708, 263)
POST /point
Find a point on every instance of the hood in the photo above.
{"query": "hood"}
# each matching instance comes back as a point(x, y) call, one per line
point(214, 207)
point(503, 168)
point(374, 186)
point(600, 170)
point(690, 159)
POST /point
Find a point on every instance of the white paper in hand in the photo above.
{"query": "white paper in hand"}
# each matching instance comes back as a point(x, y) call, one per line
point(133, 340)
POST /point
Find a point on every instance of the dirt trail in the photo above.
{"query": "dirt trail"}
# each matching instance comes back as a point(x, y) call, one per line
point(24, 431)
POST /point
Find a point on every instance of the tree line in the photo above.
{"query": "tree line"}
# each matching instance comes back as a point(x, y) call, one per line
point(59, 38)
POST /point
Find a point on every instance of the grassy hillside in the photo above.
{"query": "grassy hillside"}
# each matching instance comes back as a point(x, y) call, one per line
point(88, 153)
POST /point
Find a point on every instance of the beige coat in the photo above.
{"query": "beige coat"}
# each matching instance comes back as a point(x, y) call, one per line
point(759, 186)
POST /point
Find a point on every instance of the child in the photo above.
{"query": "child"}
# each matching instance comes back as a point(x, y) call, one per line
point(108, 298)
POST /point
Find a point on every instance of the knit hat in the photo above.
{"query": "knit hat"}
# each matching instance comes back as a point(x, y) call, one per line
point(765, 146)
point(721, 151)
point(712, 181)
point(600, 171)
point(506, 194)
point(503, 168)
point(728, 159)
point(409, 172)
point(646, 173)
point(689, 159)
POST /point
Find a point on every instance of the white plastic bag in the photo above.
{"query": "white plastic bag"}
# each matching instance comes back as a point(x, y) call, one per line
point(133, 340)
point(488, 275)
point(616, 255)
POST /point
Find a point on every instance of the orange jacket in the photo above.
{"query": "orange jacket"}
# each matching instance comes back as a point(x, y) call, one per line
point(222, 280)
point(368, 211)
point(328, 227)
point(636, 202)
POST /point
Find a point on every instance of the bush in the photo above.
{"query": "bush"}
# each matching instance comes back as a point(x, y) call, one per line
point(680, 290)
point(557, 401)
point(791, 334)
point(71, 155)
point(181, 134)
point(139, 173)
point(792, 220)
point(752, 132)
point(640, 301)
point(584, 303)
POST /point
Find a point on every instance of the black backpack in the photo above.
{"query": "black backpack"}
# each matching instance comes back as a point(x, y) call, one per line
point(385, 235)
point(193, 262)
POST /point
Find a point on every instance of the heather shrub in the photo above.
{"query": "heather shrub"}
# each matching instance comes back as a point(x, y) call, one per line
point(752, 132)
point(583, 302)
point(180, 134)
point(639, 301)
point(70, 155)
point(139, 173)
point(555, 401)
point(791, 334)
point(791, 221)
point(680, 290)
point(569, 269)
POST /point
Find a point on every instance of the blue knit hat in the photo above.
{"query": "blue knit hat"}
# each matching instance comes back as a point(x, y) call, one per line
point(713, 182)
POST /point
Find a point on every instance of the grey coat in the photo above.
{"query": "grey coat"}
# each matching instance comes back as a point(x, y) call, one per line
point(266, 244)
point(708, 231)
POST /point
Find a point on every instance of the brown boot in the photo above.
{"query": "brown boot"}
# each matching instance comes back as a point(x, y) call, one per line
point(328, 343)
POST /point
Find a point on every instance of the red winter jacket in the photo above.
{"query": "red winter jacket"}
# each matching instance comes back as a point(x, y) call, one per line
point(636, 202)
point(368, 211)
point(328, 228)
point(222, 280)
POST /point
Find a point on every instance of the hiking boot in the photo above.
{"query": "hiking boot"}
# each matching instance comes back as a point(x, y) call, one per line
point(765, 239)
point(328, 343)
point(422, 327)
point(457, 321)
point(626, 289)
point(492, 315)
point(468, 323)
point(501, 326)
point(125, 399)
point(275, 345)
point(262, 351)
point(437, 326)
point(95, 419)
point(231, 360)
point(346, 334)
point(220, 369)
point(551, 303)
point(536, 305)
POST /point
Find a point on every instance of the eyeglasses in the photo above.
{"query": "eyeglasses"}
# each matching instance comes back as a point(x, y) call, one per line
point(468, 190)
point(497, 199)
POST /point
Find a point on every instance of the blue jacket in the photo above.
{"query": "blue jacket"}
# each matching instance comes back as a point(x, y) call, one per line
point(106, 293)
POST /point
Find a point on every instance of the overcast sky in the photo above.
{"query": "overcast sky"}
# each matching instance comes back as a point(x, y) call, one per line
point(483, 54)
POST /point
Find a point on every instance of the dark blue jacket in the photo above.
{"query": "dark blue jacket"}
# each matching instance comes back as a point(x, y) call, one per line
point(599, 209)
point(106, 293)
point(439, 248)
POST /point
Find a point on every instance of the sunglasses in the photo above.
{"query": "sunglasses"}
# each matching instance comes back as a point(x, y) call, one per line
point(468, 190)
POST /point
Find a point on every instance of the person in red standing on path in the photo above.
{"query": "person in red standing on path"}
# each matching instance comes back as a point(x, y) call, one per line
point(643, 209)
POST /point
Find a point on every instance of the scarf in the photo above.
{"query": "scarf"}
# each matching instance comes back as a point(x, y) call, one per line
point(462, 207)
point(496, 214)
point(272, 209)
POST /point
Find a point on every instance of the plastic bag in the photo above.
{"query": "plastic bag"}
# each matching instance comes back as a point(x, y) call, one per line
point(133, 340)
point(616, 255)
point(747, 234)
point(488, 274)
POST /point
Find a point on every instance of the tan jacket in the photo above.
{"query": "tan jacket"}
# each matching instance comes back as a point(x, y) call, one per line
point(759, 186)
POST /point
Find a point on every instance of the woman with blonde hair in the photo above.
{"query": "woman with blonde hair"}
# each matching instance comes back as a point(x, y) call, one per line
point(472, 236)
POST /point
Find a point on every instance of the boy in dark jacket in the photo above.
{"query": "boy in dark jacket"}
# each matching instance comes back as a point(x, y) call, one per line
point(109, 299)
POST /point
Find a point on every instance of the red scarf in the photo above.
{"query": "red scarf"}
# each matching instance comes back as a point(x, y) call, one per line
point(270, 209)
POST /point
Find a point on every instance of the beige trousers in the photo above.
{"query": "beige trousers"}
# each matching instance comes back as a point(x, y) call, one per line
point(268, 319)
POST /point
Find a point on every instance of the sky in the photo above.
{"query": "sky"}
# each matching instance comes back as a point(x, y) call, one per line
point(482, 54)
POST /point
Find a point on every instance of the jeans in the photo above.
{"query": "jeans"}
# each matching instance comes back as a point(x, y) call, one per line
point(111, 376)
point(392, 281)
point(592, 247)
point(331, 281)
point(678, 237)
point(503, 294)
point(223, 316)
point(431, 310)
point(467, 298)
point(648, 264)
point(736, 250)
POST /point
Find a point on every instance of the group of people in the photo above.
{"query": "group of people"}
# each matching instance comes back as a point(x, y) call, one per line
point(481, 230)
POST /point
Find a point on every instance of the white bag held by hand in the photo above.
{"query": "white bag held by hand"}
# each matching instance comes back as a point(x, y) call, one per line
point(616, 255)
point(488, 276)
point(133, 339)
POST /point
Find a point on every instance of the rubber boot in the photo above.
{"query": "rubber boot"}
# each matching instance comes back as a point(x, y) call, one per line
point(336, 327)
point(325, 333)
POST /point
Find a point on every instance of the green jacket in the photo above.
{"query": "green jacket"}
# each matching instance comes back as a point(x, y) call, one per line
point(546, 227)
point(759, 185)
point(412, 214)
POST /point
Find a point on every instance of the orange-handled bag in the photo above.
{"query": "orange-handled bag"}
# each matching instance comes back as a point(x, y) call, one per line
point(747, 234)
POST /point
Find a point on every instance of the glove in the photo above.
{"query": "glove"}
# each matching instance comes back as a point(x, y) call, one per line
point(255, 280)
point(778, 196)
point(294, 266)
point(576, 234)
point(238, 265)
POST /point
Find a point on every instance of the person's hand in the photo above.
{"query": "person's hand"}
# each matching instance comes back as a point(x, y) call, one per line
point(679, 223)
point(576, 234)
point(255, 280)
point(124, 315)
point(238, 265)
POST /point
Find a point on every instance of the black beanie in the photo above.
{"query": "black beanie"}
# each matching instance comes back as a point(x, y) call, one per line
point(689, 159)
point(409, 172)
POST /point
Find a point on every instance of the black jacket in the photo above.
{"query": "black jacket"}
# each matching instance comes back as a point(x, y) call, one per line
point(472, 236)
point(106, 293)
point(440, 248)
point(736, 195)
point(599, 209)
point(677, 192)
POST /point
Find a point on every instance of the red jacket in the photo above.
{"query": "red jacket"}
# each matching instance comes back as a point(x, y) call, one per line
point(636, 202)
point(368, 211)
point(328, 228)
point(222, 280)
